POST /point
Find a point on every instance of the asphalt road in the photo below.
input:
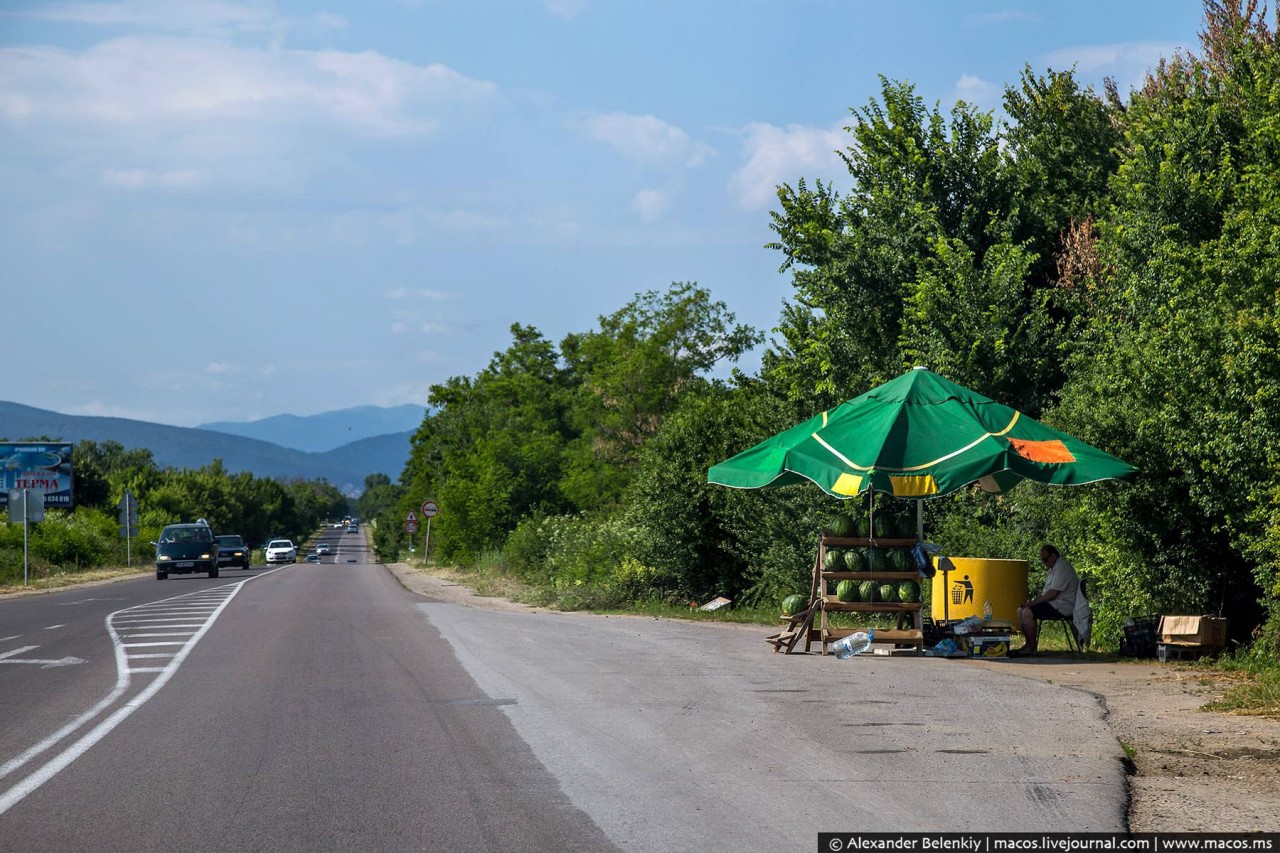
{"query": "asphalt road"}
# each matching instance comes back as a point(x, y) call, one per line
point(323, 707)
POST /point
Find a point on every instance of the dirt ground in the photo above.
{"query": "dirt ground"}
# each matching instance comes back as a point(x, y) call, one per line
point(1192, 770)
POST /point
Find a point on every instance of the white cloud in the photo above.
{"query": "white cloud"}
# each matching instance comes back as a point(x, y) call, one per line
point(140, 179)
point(220, 368)
point(566, 8)
point(160, 85)
point(1126, 62)
point(650, 204)
point(185, 16)
point(777, 155)
point(1013, 15)
point(648, 140)
point(397, 294)
point(977, 92)
point(399, 328)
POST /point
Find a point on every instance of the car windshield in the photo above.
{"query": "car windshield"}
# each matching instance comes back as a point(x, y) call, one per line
point(185, 534)
point(233, 541)
point(281, 543)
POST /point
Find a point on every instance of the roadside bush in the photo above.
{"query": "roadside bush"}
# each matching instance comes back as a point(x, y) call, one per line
point(75, 540)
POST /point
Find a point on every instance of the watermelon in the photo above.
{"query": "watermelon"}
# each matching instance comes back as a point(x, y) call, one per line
point(902, 560)
point(909, 591)
point(793, 604)
point(867, 591)
point(884, 527)
point(834, 560)
point(845, 591)
point(855, 560)
point(906, 527)
point(841, 525)
point(878, 560)
point(888, 592)
point(862, 529)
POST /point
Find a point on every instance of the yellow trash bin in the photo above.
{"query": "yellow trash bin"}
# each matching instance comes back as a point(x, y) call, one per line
point(975, 580)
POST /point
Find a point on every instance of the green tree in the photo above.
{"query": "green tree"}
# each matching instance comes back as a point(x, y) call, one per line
point(630, 372)
point(1179, 369)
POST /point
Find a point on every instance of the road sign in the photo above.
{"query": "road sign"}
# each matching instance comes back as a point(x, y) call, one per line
point(26, 505)
point(411, 523)
point(128, 507)
point(430, 509)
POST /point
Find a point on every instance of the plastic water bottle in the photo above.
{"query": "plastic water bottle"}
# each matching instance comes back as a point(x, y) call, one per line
point(986, 610)
point(854, 644)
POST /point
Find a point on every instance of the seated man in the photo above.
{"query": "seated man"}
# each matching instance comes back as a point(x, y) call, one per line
point(1057, 601)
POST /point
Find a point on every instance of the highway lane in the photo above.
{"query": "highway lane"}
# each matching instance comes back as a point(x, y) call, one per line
point(57, 657)
point(319, 712)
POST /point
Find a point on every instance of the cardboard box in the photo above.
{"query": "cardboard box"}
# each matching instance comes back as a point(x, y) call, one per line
point(989, 647)
point(1208, 631)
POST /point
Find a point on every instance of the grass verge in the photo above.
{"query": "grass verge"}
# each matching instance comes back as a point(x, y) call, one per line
point(62, 579)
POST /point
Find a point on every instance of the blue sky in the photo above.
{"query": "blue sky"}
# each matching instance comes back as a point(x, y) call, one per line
point(230, 209)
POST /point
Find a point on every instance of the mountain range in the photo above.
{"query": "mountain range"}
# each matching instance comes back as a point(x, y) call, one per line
point(345, 465)
point(327, 430)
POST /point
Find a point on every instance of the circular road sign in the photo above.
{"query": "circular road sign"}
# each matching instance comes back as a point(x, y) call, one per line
point(430, 509)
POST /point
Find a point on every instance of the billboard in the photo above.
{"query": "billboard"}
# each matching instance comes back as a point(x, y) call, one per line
point(43, 465)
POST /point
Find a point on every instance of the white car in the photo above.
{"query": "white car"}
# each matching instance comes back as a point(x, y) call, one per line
point(281, 551)
point(322, 548)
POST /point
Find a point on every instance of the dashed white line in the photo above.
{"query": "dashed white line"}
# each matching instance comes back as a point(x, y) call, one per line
point(17, 651)
point(7, 639)
point(52, 627)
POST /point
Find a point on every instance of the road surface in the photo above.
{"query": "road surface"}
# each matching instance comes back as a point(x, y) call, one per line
point(324, 707)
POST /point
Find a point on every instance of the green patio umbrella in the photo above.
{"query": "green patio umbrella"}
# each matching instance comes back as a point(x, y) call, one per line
point(918, 436)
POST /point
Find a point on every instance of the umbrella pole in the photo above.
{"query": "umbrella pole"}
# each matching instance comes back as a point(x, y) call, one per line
point(919, 519)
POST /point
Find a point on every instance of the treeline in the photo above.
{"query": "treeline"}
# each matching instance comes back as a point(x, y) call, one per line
point(1105, 263)
point(89, 536)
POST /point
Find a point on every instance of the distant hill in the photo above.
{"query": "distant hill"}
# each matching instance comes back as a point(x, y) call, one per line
point(182, 447)
point(327, 430)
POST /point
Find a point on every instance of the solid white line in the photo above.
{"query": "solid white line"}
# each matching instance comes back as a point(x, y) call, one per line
point(53, 767)
point(167, 634)
point(147, 617)
point(147, 669)
point(17, 651)
point(162, 643)
point(153, 655)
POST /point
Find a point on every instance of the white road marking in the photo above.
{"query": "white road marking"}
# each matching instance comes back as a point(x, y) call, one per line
point(50, 769)
point(148, 669)
point(51, 627)
point(7, 639)
point(44, 663)
point(157, 643)
point(164, 634)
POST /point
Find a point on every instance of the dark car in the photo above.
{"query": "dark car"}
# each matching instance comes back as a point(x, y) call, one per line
point(186, 549)
point(232, 551)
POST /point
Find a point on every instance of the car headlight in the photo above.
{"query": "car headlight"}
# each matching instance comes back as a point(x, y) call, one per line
point(204, 556)
point(164, 558)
